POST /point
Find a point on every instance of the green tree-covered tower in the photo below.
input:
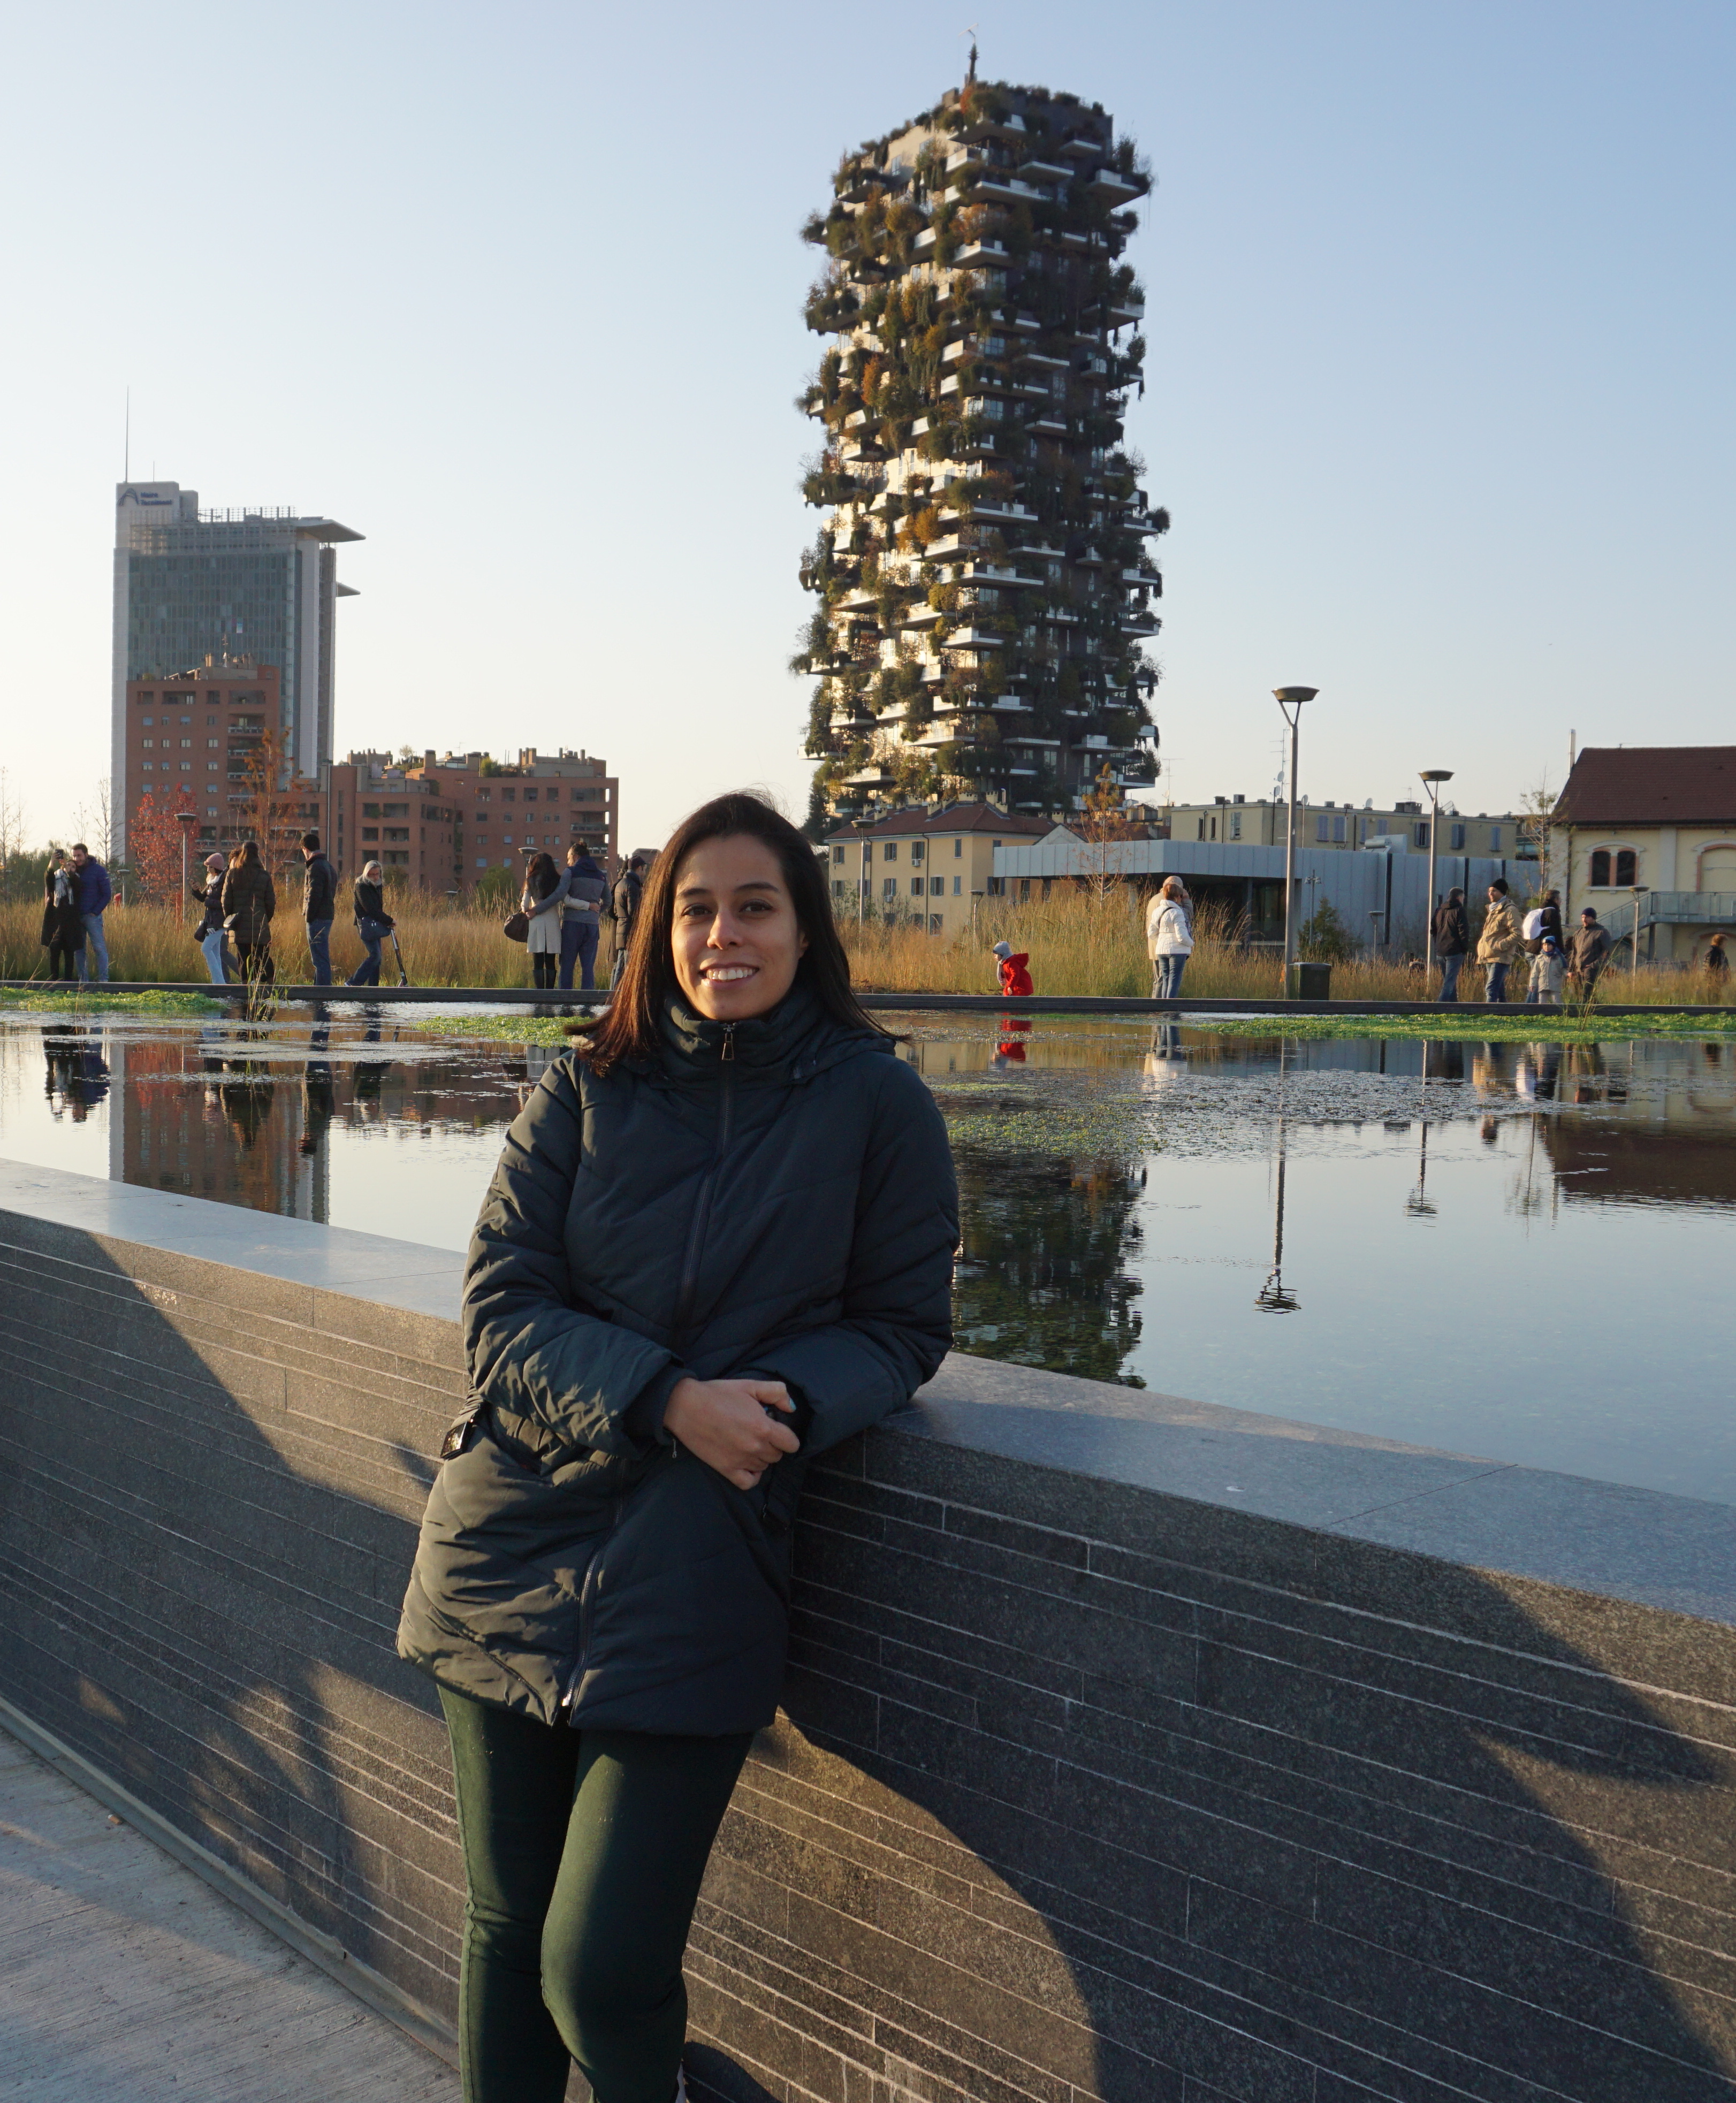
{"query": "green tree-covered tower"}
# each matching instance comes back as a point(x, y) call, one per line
point(983, 584)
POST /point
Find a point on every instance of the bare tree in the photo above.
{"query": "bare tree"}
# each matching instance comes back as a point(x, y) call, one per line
point(1103, 820)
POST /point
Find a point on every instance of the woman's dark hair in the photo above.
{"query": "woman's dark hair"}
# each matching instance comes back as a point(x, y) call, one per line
point(542, 876)
point(629, 1029)
point(247, 854)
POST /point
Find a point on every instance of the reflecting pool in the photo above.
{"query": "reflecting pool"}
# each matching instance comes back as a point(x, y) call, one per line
point(1511, 1249)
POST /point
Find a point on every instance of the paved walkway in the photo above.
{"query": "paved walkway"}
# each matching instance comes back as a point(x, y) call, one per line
point(123, 1977)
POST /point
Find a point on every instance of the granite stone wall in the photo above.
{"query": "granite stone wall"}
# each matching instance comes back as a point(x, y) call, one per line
point(1094, 1783)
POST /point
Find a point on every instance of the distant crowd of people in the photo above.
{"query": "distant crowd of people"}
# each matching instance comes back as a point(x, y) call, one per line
point(1505, 938)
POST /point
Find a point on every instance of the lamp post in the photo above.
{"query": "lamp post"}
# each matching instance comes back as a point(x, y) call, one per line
point(864, 827)
point(187, 819)
point(1290, 700)
point(1432, 777)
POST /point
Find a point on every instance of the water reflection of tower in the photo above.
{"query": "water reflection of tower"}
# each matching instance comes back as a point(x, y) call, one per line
point(312, 1191)
point(1275, 1297)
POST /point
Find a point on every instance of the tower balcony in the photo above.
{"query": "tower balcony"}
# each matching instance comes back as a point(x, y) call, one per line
point(1112, 188)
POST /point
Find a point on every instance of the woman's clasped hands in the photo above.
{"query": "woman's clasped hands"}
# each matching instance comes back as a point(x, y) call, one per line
point(729, 1424)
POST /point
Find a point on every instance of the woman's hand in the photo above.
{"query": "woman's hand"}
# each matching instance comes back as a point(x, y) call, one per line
point(728, 1425)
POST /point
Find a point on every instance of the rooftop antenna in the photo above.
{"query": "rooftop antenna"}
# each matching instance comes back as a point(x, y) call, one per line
point(127, 446)
point(970, 76)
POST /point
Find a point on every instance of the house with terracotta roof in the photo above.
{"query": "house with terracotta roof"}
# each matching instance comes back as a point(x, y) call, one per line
point(927, 863)
point(1646, 835)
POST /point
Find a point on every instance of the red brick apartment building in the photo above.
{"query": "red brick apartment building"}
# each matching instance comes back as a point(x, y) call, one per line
point(444, 822)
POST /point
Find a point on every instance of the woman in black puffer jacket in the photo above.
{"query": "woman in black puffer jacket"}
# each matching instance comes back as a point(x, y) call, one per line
point(720, 1240)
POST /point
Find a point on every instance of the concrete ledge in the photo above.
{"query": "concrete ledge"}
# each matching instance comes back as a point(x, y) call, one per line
point(1133, 1748)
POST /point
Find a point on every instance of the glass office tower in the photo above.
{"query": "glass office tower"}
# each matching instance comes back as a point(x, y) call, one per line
point(192, 586)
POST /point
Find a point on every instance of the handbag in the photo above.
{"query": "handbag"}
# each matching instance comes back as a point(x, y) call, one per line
point(516, 926)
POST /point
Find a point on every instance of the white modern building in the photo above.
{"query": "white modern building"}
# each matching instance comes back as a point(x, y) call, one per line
point(194, 587)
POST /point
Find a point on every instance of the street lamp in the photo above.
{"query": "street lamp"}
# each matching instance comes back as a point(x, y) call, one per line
point(187, 819)
point(864, 827)
point(1289, 700)
point(1432, 777)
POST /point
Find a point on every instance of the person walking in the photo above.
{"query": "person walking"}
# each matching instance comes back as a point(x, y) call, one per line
point(373, 922)
point(1169, 937)
point(63, 930)
point(544, 892)
point(581, 917)
point(1451, 929)
point(1586, 953)
point(250, 903)
point(212, 936)
point(1717, 965)
point(663, 1324)
point(318, 906)
point(1548, 968)
point(93, 894)
point(628, 889)
point(1500, 941)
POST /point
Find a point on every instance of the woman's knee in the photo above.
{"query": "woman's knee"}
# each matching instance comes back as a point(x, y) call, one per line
point(597, 1993)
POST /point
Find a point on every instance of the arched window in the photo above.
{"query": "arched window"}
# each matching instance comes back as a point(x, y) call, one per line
point(1601, 869)
point(1627, 866)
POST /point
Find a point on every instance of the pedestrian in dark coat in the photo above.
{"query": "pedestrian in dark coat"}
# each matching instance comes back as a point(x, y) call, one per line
point(63, 929)
point(624, 906)
point(1451, 929)
point(373, 922)
point(719, 1241)
point(250, 901)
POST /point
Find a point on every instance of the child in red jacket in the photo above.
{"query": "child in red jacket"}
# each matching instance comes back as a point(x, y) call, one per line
point(1015, 975)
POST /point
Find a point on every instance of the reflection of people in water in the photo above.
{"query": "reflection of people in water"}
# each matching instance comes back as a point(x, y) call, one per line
point(317, 1101)
point(77, 1072)
point(246, 1104)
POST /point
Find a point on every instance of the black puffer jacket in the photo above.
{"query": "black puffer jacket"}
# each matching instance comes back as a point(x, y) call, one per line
point(773, 1198)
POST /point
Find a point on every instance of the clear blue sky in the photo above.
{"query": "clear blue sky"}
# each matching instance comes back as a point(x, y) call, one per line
point(1440, 398)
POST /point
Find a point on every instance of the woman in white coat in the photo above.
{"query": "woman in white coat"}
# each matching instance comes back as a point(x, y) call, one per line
point(1169, 938)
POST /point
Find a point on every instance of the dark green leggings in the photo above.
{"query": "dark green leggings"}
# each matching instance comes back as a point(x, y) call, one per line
point(583, 1851)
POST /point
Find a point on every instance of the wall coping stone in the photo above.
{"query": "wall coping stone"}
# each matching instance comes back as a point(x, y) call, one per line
point(1644, 1546)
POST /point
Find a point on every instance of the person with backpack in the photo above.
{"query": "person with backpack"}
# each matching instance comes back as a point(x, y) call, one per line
point(1451, 930)
point(718, 1242)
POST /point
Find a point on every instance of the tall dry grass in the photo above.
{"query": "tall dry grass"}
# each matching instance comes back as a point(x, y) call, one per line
point(441, 946)
point(1077, 945)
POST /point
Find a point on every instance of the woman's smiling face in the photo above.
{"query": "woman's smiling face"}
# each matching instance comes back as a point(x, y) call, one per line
point(736, 937)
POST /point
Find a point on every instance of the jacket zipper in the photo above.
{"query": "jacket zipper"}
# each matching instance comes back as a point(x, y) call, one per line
point(702, 1203)
point(588, 1608)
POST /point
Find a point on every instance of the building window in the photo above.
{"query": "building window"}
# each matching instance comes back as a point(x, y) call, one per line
point(1321, 827)
point(918, 851)
point(837, 855)
point(892, 851)
point(889, 888)
point(482, 861)
point(1495, 839)
point(936, 885)
point(530, 795)
point(1337, 829)
point(370, 831)
point(1420, 836)
point(916, 887)
point(936, 923)
point(1235, 825)
point(958, 849)
point(1601, 869)
point(1458, 841)
point(957, 886)
point(1627, 866)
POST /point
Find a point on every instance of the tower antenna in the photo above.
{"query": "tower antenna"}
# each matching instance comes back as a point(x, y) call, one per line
point(970, 78)
point(126, 445)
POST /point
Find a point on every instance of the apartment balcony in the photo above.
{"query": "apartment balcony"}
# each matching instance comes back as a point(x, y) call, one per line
point(983, 255)
point(1123, 312)
point(976, 639)
point(1061, 617)
point(997, 573)
point(920, 616)
point(870, 777)
point(1112, 189)
point(1140, 623)
point(923, 244)
point(1088, 558)
point(1002, 189)
point(1151, 581)
point(1046, 171)
point(1048, 425)
point(1043, 361)
point(1009, 514)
